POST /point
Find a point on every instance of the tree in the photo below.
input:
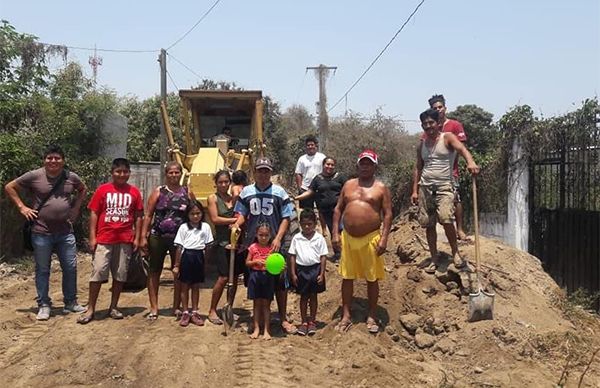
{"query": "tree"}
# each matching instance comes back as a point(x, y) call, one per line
point(482, 134)
point(143, 122)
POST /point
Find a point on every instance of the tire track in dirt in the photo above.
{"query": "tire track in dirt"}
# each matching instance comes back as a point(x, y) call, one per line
point(23, 332)
point(280, 362)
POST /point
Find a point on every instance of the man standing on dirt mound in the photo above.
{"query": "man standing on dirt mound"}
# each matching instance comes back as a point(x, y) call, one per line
point(433, 188)
point(308, 166)
point(438, 102)
point(362, 203)
point(263, 202)
point(52, 225)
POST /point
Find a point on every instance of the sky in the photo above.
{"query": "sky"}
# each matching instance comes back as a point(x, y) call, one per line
point(495, 54)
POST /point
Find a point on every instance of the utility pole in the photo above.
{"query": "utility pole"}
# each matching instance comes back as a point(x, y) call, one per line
point(322, 72)
point(162, 60)
point(94, 62)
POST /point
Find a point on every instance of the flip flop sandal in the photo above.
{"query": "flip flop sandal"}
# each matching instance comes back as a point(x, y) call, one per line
point(152, 317)
point(458, 261)
point(85, 319)
point(290, 329)
point(431, 268)
point(215, 321)
point(343, 326)
point(372, 326)
point(115, 314)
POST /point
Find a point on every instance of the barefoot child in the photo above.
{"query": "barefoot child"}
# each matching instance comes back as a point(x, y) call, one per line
point(191, 241)
point(308, 252)
point(261, 285)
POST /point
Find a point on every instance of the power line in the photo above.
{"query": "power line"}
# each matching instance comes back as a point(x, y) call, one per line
point(185, 66)
point(195, 25)
point(99, 49)
point(378, 56)
point(301, 86)
point(172, 80)
point(133, 50)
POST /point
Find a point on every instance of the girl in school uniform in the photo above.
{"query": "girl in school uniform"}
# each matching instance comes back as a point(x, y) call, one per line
point(191, 241)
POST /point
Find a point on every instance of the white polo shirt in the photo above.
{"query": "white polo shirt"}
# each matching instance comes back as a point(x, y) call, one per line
point(309, 167)
point(308, 252)
point(195, 238)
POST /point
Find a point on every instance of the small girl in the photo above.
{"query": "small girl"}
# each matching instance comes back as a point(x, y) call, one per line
point(191, 241)
point(261, 285)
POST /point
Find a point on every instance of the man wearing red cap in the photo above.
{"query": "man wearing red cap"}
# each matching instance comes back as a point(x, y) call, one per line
point(362, 203)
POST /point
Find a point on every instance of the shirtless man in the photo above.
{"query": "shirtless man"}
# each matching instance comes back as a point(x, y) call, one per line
point(433, 187)
point(362, 202)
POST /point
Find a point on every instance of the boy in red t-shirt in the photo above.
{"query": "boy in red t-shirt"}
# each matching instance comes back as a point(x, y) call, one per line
point(116, 211)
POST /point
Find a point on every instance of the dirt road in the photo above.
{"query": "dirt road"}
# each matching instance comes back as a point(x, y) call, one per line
point(425, 339)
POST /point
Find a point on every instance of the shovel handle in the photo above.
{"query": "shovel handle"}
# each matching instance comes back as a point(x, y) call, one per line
point(232, 245)
point(476, 224)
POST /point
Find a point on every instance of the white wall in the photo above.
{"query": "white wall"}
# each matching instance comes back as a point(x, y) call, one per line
point(513, 227)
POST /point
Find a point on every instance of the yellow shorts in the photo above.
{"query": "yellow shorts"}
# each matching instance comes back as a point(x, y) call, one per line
point(359, 257)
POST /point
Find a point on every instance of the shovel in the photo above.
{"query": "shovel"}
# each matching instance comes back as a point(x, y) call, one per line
point(481, 303)
point(227, 312)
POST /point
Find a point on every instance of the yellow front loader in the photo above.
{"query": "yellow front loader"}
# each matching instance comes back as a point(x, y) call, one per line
point(222, 130)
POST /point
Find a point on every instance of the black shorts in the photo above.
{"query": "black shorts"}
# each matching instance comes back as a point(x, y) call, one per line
point(222, 259)
point(260, 285)
point(158, 247)
point(308, 203)
point(191, 270)
point(307, 279)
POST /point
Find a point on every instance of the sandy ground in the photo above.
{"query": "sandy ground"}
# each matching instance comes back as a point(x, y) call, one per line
point(425, 339)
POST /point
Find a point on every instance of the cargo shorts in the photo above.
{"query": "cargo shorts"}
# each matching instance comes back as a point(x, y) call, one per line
point(436, 204)
point(113, 258)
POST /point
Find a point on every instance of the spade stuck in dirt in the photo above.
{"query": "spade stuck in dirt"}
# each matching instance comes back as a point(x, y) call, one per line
point(481, 302)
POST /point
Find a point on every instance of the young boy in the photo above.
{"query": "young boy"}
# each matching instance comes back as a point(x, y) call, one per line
point(308, 252)
point(115, 226)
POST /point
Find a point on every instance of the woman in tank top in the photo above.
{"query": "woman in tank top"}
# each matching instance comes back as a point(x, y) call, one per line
point(165, 213)
point(220, 212)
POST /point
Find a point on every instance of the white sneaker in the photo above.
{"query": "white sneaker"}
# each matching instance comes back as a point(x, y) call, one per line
point(43, 313)
point(74, 308)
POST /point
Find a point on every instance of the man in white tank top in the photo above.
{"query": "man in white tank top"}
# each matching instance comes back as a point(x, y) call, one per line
point(433, 187)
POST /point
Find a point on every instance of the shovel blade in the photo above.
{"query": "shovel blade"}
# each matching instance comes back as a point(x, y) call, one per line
point(481, 306)
point(228, 314)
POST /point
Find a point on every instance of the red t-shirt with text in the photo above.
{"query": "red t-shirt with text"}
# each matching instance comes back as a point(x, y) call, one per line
point(116, 207)
point(455, 127)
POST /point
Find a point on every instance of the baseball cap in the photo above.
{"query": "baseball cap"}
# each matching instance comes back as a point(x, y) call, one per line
point(263, 163)
point(369, 154)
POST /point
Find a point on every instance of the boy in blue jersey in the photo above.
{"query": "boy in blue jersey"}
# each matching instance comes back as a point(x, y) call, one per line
point(263, 202)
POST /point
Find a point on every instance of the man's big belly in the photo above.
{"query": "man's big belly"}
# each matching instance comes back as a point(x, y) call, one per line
point(360, 218)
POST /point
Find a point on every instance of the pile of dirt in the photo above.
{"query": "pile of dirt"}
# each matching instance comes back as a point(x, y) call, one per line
point(425, 340)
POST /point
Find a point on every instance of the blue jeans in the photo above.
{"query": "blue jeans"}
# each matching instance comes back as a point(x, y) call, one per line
point(64, 247)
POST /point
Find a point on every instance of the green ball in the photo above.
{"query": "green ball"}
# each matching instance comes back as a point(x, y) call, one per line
point(275, 263)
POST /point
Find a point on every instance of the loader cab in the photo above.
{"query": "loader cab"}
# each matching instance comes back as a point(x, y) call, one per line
point(222, 129)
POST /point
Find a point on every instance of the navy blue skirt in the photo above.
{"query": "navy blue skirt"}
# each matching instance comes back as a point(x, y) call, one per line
point(261, 285)
point(191, 270)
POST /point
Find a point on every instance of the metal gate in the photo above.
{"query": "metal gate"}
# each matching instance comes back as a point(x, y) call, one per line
point(564, 189)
